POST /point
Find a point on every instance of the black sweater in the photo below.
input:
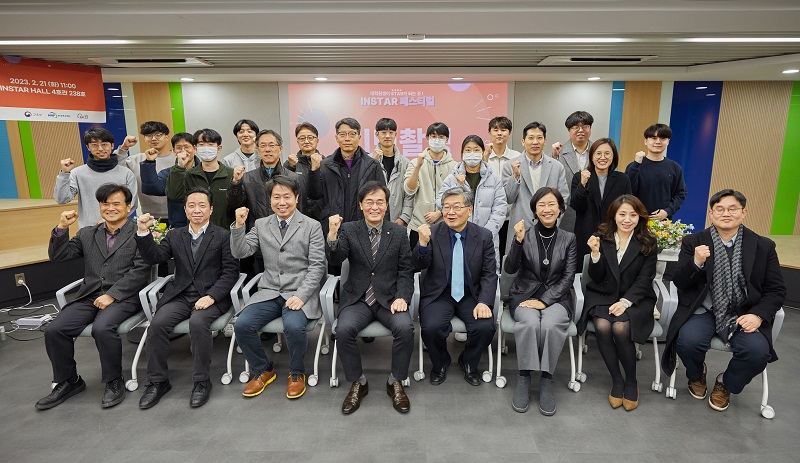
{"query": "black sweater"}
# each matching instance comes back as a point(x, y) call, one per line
point(659, 184)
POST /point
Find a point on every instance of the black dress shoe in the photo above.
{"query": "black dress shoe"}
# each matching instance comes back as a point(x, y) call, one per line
point(153, 393)
point(115, 393)
point(439, 375)
point(353, 399)
point(200, 393)
point(63, 391)
point(472, 377)
point(400, 400)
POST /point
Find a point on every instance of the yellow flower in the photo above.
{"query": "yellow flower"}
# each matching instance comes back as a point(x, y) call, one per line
point(162, 226)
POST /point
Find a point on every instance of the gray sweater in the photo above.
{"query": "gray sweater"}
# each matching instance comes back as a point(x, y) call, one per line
point(83, 181)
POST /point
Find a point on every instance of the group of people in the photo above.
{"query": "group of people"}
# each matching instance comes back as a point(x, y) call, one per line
point(389, 217)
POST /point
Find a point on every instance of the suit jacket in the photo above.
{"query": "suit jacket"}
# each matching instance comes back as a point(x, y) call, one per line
point(294, 265)
point(569, 159)
point(519, 195)
point(480, 269)
point(590, 210)
point(765, 289)
point(121, 272)
point(390, 273)
point(631, 279)
point(525, 260)
point(213, 272)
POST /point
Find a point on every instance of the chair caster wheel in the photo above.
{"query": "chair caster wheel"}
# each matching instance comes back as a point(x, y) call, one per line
point(244, 377)
point(276, 347)
point(238, 350)
point(581, 377)
point(638, 355)
point(500, 382)
point(406, 382)
point(574, 386)
point(324, 350)
point(505, 350)
point(226, 378)
point(487, 376)
point(419, 376)
point(585, 348)
point(671, 393)
point(131, 385)
point(768, 412)
point(313, 380)
point(334, 382)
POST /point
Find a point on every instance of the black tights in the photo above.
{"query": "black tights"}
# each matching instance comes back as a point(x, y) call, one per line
point(615, 346)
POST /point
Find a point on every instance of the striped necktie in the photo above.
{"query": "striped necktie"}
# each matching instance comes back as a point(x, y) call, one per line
point(369, 296)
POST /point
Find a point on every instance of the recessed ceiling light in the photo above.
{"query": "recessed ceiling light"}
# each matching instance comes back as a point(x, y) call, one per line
point(791, 71)
point(700, 88)
point(594, 78)
point(456, 78)
point(320, 79)
point(112, 88)
point(741, 39)
point(711, 94)
point(187, 79)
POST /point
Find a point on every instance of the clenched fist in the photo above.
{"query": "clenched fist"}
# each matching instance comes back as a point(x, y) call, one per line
point(334, 222)
point(515, 165)
point(183, 158)
point(238, 173)
point(424, 232)
point(585, 174)
point(461, 178)
point(292, 160)
point(67, 165)
point(241, 216)
point(420, 159)
point(144, 222)
point(639, 156)
point(556, 149)
point(316, 160)
point(701, 253)
point(151, 154)
point(377, 154)
point(519, 230)
point(594, 245)
point(128, 142)
point(67, 219)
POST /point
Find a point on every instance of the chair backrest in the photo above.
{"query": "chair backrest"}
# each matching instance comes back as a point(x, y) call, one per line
point(777, 324)
point(345, 271)
point(585, 272)
point(506, 280)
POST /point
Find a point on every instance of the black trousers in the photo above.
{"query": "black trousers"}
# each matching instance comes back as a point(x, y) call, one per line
point(503, 235)
point(60, 334)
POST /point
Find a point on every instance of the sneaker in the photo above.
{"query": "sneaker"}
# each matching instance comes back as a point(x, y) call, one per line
point(698, 388)
point(720, 397)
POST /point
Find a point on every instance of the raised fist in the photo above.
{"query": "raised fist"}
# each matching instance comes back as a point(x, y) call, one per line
point(421, 158)
point(128, 142)
point(183, 158)
point(67, 165)
point(238, 173)
point(144, 222)
point(701, 253)
point(556, 149)
point(334, 222)
point(377, 154)
point(241, 216)
point(316, 160)
point(424, 232)
point(461, 179)
point(292, 160)
point(594, 244)
point(639, 156)
point(585, 174)
point(515, 169)
point(151, 154)
point(67, 219)
point(519, 230)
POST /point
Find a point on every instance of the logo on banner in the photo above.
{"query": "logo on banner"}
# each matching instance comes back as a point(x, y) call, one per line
point(28, 114)
point(83, 116)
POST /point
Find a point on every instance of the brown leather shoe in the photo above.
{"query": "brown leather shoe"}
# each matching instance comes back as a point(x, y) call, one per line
point(699, 388)
point(353, 399)
point(296, 387)
point(615, 402)
point(400, 400)
point(628, 404)
point(257, 385)
point(720, 397)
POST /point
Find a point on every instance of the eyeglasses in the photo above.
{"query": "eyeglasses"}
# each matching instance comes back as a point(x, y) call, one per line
point(470, 152)
point(306, 138)
point(370, 203)
point(457, 208)
point(579, 128)
point(351, 134)
point(386, 133)
point(96, 146)
point(436, 137)
point(730, 210)
point(153, 136)
point(603, 155)
point(271, 146)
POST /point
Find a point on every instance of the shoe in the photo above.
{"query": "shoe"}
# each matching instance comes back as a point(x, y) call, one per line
point(628, 404)
point(257, 385)
point(615, 402)
point(63, 391)
point(699, 388)
point(400, 400)
point(153, 393)
point(720, 397)
point(461, 337)
point(115, 393)
point(296, 387)
point(353, 399)
point(547, 397)
point(522, 394)
point(469, 376)
point(200, 393)
point(438, 376)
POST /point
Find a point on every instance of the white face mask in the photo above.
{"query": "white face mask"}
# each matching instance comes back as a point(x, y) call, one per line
point(472, 159)
point(207, 153)
point(437, 145)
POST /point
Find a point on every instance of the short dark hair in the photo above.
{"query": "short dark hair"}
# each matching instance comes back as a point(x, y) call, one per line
point(544, 191)
point(152, 127)
point(385, 123)
point(475, 139)
point(369, 187)
point(305, 125)
point(614, 159)
point(270, 132)
point(107, 189)
point(238, 126)
point(198, 189)
point(182, 136)
point(501, 122)
point(350, 122)
point(737, 195)
point(532, 126)
point(658, 130)
point(578, 117)
point(437, 128)
point(209, 136)
point(98, 134)
point(641, 232)
point(283, 180)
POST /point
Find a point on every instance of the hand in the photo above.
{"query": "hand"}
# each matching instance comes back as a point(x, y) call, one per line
point(67, 219)
point(334, 222)
point(400, 222)
point(144, 222)
point(424, 232)
point(377, 154)
point(295, 303)
point(617, 308)
point(515, 169)
point(128, 142)
point(204, 302)
point(241, 216)
point(585, 174)
point(432, 217)
point(556, 149)
point(183, 158)
point(519, 230)
point(481, 311)
point(701, 253)
point(292, 160)
point(659, 214)
point(461, 178)
point(151, 154)
point(594, 245)
point(103, 301)
point(399, 305)
point(420, 159)
point(749, 322)
point(533, 304)
point(316, 160)
point(238, 173)
point(67, 165)
point(489, 150)
point(639, 156)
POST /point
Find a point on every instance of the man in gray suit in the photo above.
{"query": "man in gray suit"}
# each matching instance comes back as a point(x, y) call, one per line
point(574, 155)
point(113, 276)
point(524, 176)
point(379, 287)
point(294, 268)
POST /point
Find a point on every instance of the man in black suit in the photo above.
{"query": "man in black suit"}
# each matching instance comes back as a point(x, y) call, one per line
point(729, 285)
point(461, 280)
point(205, 273)
point(114, 273)
point(379, 287)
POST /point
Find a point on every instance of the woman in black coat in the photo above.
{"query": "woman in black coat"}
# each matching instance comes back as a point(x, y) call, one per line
point(620, 296)
point(594, 189)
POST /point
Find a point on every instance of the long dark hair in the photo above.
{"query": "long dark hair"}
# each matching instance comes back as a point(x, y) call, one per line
point(641, 232)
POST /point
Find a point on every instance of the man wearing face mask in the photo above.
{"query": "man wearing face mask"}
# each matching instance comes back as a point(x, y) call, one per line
point(306, 164)
point(159, 150)
point(210, 174)
point(424, 177)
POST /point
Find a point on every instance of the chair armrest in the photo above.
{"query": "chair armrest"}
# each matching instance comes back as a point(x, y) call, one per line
point(237, 288)
point(326, 298)
point(61, 294)
point(498, 304)
point(152, 294)
point(777, 324)
point(669, 310)
point(666, 302)
point(577, 289)
point(414, 306)
point(148, 310)
point(246, 290)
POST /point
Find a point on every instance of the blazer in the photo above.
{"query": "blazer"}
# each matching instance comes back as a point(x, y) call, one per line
point(479, 259)
point(590, 210)
point(294, 265)
point(569, 159)
point(765, 288)
point(390, 273)
point(121, 272)
point(519, 194)
point(214, 272)
point(632, 279)
point(524, 260)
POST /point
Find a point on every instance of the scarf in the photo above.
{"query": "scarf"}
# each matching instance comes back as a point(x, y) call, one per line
point(101, 165)
point(729, 289)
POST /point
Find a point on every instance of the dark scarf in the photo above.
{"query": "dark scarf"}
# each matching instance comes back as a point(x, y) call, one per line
point(101, 165)
point(730, 288)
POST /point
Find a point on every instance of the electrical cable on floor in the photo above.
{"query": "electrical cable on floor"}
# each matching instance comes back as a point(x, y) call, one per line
point(44, 319)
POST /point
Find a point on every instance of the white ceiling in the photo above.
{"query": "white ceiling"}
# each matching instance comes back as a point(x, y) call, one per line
point(589, 28)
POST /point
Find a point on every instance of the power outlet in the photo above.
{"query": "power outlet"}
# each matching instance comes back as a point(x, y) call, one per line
point(20, 277)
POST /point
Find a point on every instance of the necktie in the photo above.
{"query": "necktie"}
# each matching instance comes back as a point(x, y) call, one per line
point(457, 284)
point(369, 296)
point(283, 228)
